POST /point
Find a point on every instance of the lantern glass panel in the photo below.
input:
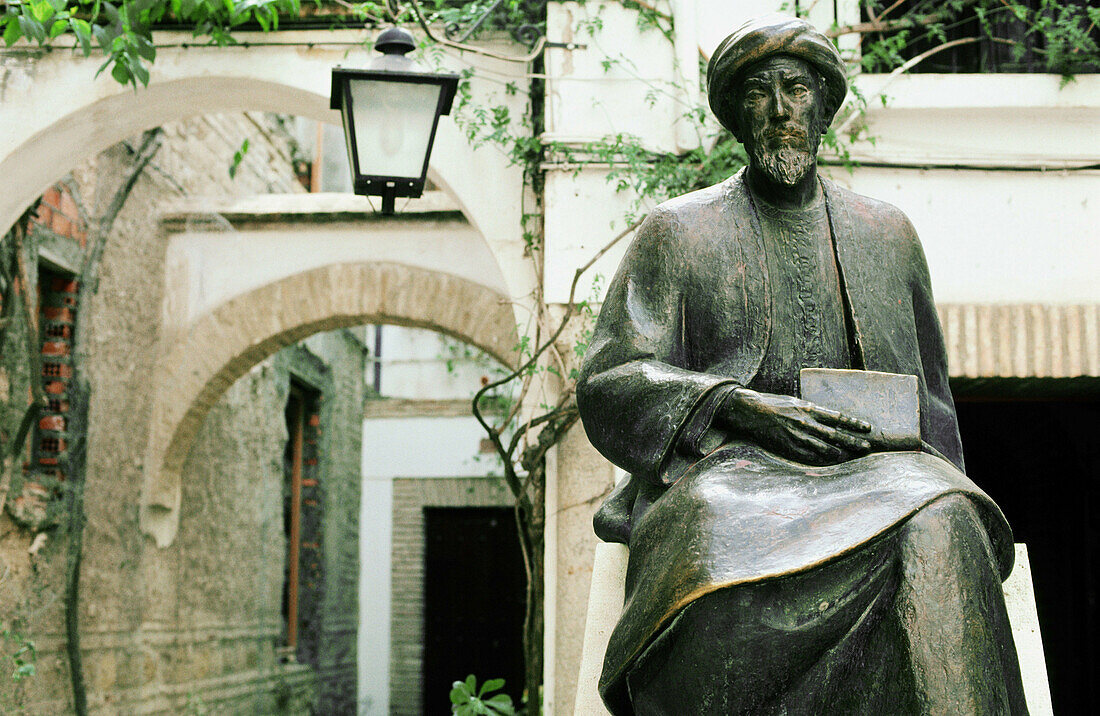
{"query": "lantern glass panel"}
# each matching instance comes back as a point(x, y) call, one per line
point(393, 125)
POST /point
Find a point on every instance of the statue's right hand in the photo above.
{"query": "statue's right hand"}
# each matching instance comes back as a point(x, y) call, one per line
point(793, 428)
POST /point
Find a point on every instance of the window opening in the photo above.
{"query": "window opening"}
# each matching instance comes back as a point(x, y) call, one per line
point(48, 444)
point(302, 502)
point(1016, 50)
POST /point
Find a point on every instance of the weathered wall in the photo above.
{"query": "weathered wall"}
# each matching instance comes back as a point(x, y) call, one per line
point(31, 482)
point(215, 610)
point(181, 604)
point(195, 626)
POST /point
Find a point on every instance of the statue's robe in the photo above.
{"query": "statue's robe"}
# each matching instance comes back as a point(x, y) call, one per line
point(688, 318)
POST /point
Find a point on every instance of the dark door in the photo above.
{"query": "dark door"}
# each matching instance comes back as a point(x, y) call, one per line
point(473, 601)
point(1040, 460)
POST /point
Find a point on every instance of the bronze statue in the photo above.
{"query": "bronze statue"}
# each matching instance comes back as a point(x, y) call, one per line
point(782, 559)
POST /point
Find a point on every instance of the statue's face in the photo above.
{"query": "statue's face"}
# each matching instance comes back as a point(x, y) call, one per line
point(779, 111)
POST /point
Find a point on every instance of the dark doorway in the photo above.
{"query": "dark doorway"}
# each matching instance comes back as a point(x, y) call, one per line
point(1034, 448)
point(473, 601)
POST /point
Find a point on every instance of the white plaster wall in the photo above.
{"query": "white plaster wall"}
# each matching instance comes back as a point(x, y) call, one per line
point(716, 19)
point(415, 361)
point(375, 548)
point(1027, 232)
point(999, 237)
point(621, 83)
point(995, 120)
point(990, 237)
point(422, 447)
point(628, 80)
point(413, 367)
point(206, 268)
point(583, 214)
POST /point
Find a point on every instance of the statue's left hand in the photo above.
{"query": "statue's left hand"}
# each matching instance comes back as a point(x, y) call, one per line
point(793, 428)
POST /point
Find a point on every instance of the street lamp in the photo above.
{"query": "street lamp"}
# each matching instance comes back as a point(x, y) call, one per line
point(391, 112)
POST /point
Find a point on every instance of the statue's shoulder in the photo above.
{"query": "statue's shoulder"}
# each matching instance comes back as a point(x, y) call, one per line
point(880, 215)
point(701, 200)
point(695, 211)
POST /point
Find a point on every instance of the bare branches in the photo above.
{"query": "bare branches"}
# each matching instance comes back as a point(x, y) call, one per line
point(565, 404)
point(879, 23)
point(908, 65)
point(535, 52)
point(529, 364)
point(883, 25)
point(528, 491)
point(889, 10)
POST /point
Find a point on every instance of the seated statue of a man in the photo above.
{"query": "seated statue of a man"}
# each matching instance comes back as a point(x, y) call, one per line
point(781, 560)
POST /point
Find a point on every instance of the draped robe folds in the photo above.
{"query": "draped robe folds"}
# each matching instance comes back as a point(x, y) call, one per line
point(687, 318)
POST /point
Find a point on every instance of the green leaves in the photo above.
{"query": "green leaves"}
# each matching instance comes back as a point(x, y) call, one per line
point(887, 53)
point(654, 177)
point(468, 700)
point(1067, 33)
point(123, 30)
point(238, 157)
point(12, 32)
point(464, 15)
point(23, 658)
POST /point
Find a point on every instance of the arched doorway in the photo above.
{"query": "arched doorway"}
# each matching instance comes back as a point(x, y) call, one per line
point(225, 343)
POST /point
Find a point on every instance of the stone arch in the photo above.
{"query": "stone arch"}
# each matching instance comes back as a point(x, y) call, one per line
point(54, 115)
point(225, 343)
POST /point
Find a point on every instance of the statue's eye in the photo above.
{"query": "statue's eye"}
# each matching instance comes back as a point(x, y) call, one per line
point(754, 95)
point(799, 90)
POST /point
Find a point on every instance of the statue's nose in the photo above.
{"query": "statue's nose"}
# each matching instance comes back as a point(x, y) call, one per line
point(780, 107)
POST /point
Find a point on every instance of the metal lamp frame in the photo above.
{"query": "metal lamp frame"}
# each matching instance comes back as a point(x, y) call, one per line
point(388, 187)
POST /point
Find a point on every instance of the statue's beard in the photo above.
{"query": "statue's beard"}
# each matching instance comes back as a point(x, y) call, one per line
point(785, 156)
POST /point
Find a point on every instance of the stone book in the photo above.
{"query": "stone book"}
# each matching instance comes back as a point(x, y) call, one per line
point(888, 401)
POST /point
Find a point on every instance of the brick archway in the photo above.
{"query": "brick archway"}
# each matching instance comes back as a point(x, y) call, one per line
point(223, 345)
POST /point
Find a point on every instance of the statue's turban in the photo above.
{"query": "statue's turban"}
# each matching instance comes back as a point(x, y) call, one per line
point(765, 37)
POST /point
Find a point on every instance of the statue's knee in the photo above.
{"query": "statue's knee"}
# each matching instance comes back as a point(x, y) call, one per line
point(949, 524)
point(947, 511)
